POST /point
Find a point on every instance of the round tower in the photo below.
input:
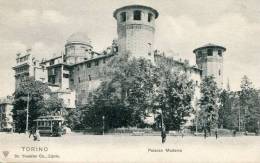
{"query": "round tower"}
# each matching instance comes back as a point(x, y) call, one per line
point(77, 48)
point(135, 29)
point(209, 59)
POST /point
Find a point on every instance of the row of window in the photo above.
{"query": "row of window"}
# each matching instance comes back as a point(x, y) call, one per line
point(89, 78)
point(22, 59)
point(22, 69)
point(137, 16)
point(96, 63)
point(210, 52)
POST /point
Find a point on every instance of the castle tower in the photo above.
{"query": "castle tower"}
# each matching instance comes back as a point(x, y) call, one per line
point(135, 29)
point(209, 59)
point(77, 48)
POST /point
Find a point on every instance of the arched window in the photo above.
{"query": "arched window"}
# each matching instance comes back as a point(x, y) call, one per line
point(123, 16)
point(137, 15)
point(220, 52)
point(150, 17)
point(210, 52)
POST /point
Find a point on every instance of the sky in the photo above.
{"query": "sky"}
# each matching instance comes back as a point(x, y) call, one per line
point(182, 26)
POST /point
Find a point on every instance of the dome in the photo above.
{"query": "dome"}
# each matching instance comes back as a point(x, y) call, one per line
point(79, 38)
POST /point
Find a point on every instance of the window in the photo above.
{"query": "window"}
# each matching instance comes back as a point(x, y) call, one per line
point(96, 63)
point(89, 77)
point(66, 75)
point(137, 15)
point(219, 52)
point(53, 72)
point(199, 54)
point(150, 17)
point(51, 62)
point(149, 48)
point(123, 16)
point(88, 65)
point(210, 52)
point(116, 49)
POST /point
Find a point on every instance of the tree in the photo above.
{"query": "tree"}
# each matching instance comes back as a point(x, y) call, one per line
point(249, 104)
point(41, 102)
point(224, 109)
point(134, 90)
point(174, 95)
point(209, 102)
point(125, 97)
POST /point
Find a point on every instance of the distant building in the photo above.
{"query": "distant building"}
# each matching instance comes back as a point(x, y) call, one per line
point(6, 115)
point(74, 75)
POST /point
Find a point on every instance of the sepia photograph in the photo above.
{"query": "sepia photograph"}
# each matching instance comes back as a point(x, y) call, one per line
point(129, 81)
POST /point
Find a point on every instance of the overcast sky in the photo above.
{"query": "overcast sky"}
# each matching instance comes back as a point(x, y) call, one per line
point(183, 25)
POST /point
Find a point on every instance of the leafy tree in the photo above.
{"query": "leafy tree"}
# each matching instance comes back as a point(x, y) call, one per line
point(249, 104)
point(174, 95)
point(41, 102)
point(209, 102)
point(74, 119)
point(125, 97)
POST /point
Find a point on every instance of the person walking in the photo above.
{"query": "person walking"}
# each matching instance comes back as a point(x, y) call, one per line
point(205, 133)
point(216, 133)
point(163, 135)
point(32, 131)
point(37, 136)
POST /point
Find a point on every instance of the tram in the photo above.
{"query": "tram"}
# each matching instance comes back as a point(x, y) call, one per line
point(50, 125)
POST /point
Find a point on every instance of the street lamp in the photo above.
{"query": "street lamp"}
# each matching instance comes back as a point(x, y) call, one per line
point(103, 119)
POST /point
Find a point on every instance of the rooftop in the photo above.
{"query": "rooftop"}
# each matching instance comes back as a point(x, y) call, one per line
point(136, 6)
point(79, 37)
point(209, 45)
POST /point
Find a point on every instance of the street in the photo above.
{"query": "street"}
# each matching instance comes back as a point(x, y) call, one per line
point(121, 148)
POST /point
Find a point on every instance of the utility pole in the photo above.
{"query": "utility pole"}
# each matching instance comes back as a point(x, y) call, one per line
point(196, 121)
point(239, 119)
point(27, 113)
point(103, 119)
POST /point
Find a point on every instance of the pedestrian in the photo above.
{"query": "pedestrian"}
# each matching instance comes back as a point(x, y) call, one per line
point(234, 133)
point(163, 135)
point(32, 131)
point(182, 133)
point(205, 134)
point(216, 134)
point(37, 136)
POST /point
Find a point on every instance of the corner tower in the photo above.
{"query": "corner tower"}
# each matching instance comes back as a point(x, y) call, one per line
point(135, 29)
point(209, 59)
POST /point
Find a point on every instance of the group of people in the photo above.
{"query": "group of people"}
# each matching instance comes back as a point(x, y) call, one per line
point(35, 133)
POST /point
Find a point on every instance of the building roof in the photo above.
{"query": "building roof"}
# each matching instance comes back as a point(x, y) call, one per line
point(79, 37)
point(209, 45)
point(136, 6)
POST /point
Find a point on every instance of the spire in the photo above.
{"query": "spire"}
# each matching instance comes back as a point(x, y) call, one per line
point(228, 86)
